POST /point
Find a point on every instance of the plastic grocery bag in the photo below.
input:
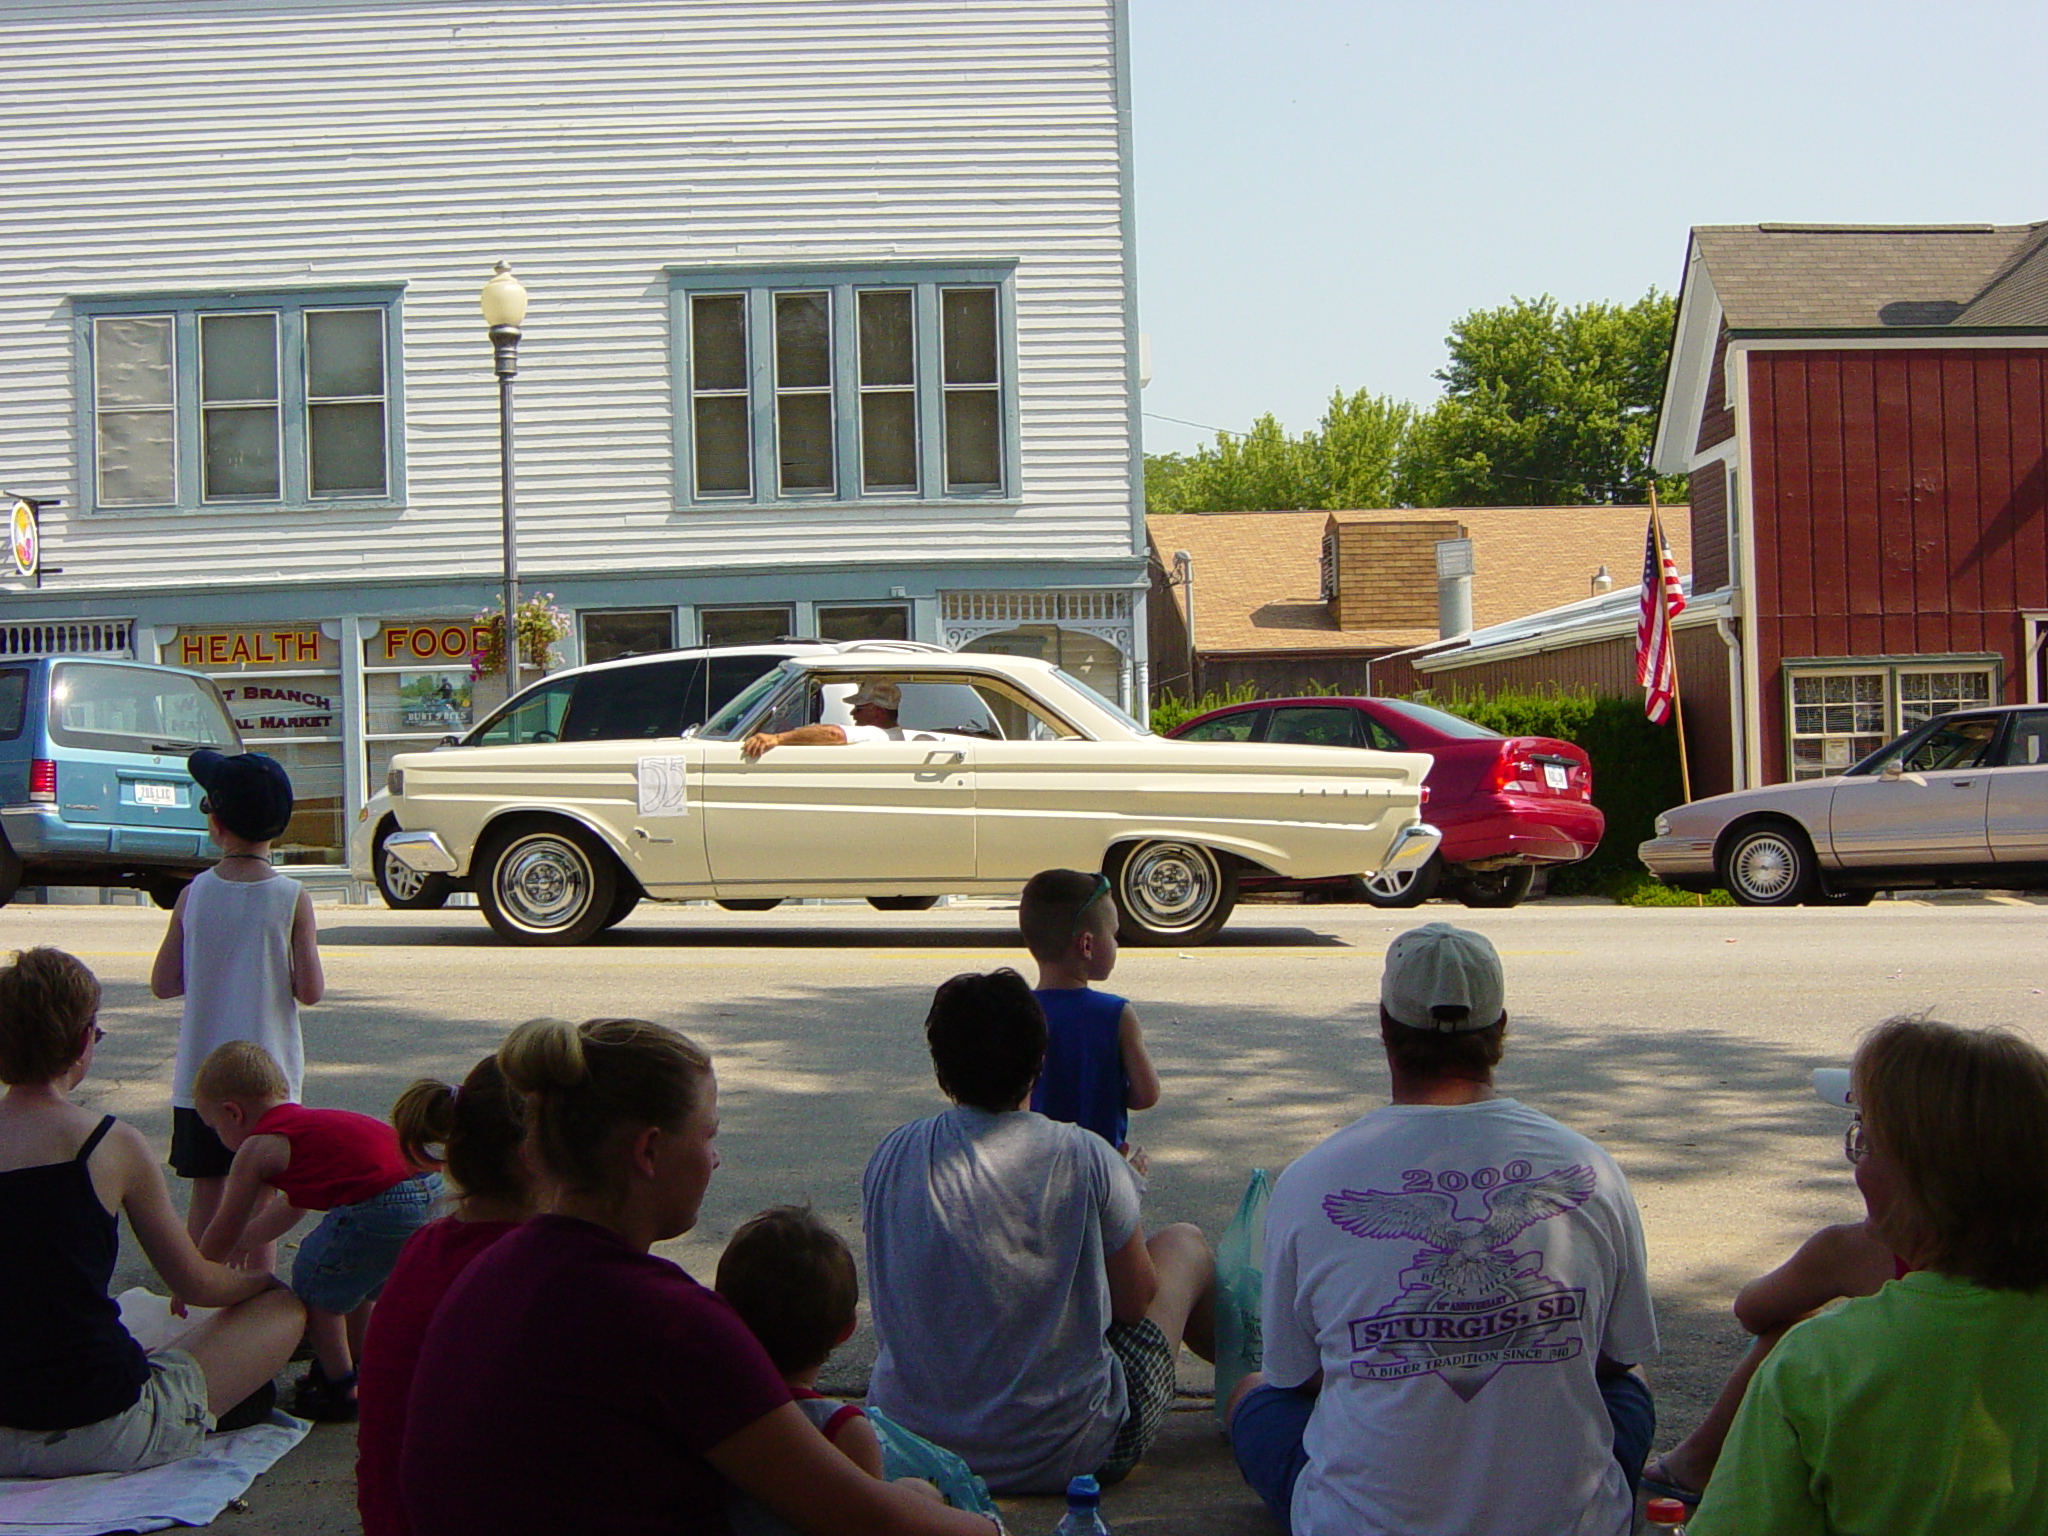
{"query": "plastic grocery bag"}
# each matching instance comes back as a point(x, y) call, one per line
point(910, 1455)
point(1240, 1286)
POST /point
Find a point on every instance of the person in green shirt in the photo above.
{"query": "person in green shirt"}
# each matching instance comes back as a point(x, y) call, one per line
point(1922, 1409)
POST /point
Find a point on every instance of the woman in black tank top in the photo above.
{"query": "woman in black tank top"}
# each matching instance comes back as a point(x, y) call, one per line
point(77, 1393)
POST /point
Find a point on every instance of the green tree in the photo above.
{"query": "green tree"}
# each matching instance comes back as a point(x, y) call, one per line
point(1543, 406)
point(1348, 460)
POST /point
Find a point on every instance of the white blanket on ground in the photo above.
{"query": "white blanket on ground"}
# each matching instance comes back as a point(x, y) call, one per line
point(188, 1492)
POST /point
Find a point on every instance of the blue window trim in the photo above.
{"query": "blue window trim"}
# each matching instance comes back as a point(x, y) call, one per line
point(290, 303)
point(841, 280)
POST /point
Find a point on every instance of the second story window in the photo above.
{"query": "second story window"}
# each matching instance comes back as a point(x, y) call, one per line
point(277, 401)
point(893, 384)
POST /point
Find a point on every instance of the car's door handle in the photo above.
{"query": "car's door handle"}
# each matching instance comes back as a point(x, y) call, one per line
point(945, 759)
point(1962, 783)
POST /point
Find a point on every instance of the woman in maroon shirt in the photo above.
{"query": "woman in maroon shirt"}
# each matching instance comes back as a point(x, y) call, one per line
point(477, 1131)
point(571, 1380)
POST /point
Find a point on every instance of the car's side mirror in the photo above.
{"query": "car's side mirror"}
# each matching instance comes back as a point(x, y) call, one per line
point(1891, 770)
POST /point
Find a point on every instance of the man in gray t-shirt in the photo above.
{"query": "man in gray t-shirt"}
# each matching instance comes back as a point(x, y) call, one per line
point(1023, 1319)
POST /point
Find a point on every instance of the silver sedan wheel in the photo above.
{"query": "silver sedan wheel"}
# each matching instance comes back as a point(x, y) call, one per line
point(401, 880)
point(1769, 866)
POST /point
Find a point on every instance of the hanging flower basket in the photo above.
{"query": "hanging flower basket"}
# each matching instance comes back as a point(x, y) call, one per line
point(537, 622)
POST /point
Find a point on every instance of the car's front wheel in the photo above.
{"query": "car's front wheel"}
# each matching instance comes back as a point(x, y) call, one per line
point(403, 887)
point(1406, 888)
point(1170, 892)
point(546, 884)
point(624, 900)
point(165, 890)
point(750, 903)
point(1506, 887)
point(903, 903)
point(1770, 864)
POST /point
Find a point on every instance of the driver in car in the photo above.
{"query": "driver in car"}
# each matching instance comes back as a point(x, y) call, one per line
point(874, 707)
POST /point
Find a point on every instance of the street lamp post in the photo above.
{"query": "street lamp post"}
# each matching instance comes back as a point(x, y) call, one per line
point(504, 306)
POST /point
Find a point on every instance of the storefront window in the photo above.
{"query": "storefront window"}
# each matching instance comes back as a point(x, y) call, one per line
point(1840, 715)
point(1093, 660)
point(745, 626)
point(417, 689)
point(282, 684)
point(627, 632)
point(863, 621)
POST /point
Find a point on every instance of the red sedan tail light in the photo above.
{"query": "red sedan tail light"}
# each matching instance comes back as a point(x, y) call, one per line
point(42, 779)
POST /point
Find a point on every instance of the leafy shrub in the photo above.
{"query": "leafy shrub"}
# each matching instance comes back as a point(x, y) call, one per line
point(1642, 889)
point(1635, 768)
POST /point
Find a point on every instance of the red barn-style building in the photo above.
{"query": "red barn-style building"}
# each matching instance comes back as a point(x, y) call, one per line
point(1862, 413)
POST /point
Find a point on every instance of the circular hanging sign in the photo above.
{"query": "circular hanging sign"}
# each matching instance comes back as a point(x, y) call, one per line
point(26, 540)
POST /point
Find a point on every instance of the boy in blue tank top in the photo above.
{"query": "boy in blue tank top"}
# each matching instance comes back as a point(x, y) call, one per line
point(1096, 1067)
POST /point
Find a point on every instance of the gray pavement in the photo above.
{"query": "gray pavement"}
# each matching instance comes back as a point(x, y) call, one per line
point(1681, 1038)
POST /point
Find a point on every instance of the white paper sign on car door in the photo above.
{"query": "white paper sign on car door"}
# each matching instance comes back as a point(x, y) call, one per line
point(663, 786)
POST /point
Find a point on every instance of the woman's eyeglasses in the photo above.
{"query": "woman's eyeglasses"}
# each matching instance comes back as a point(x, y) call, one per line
point(1855, 1145)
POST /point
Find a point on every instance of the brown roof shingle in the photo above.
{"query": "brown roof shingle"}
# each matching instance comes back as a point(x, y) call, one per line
point(1257, 575)
point(1813, 277)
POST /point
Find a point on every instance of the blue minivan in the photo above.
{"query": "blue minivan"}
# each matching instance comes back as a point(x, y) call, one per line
point(93, 787)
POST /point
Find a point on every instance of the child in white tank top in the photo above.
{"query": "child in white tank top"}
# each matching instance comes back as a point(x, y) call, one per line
point(243, 952)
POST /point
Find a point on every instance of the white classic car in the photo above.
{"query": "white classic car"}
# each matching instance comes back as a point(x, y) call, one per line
point(999, 766)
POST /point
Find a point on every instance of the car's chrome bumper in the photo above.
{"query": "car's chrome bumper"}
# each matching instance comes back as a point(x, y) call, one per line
point(1667, 856)
point(1413, 845)
point(423, 852)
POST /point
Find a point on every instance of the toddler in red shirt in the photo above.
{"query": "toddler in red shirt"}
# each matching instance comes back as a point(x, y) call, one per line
point(290, 1160)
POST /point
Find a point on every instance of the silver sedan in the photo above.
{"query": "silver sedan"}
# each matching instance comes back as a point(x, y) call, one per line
point(1959, 801)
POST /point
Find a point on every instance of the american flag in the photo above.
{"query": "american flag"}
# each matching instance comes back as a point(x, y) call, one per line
point(1656, 672)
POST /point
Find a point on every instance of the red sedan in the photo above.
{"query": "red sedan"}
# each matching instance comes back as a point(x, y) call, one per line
point(1504, 803)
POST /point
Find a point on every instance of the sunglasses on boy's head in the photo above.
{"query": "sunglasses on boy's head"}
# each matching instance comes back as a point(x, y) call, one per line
point(1081, 912)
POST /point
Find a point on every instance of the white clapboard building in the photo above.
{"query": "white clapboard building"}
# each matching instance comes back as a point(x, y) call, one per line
point(831, 332)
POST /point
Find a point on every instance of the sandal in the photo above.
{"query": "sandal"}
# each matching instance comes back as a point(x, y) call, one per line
point(324, 1399)
point(1659, 1483)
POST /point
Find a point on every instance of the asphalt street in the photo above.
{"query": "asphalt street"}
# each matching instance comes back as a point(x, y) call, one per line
point(1680, 1038)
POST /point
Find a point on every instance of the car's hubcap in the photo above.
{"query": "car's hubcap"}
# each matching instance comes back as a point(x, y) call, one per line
point(543, 884)
point(1765, 866)
point(1170, 885)
point(401, 879)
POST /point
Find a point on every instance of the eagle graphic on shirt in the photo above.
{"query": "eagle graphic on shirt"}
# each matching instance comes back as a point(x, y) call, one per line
point(1469, 1302)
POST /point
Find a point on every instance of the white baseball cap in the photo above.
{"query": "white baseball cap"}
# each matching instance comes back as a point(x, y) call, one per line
point(887, 695)
point(1436, 967)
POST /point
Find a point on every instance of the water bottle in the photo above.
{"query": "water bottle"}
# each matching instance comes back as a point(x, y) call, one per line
point(1665, 1516)
point(1084, 1514)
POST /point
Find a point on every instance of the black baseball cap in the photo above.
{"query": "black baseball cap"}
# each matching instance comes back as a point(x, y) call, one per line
point(250, 794)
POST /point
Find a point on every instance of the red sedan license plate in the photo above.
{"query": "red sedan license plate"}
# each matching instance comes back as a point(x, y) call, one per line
point(1555, 776)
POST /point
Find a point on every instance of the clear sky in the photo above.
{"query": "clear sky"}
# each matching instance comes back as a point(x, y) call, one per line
point(1323, 186)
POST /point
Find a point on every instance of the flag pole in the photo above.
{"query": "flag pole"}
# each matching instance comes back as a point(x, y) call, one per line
point(1671, 642)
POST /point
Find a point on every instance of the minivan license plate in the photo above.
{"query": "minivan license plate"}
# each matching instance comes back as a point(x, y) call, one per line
point(1554, 776)
point(156, 794)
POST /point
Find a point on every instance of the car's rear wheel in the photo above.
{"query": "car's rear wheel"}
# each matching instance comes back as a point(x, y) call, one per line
point(546, 883)
point(165, 890)
point(751, 903)
point(1506, 887)
point(1769, 864)
point(903, 903)
point(1407, 888)
point(403, 887)
point(1170, 892)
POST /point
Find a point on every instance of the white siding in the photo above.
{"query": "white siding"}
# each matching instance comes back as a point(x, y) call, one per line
point(159, 146)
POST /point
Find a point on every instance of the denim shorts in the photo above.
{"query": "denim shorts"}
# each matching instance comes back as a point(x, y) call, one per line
point(346, 1259)
point(167, 1423)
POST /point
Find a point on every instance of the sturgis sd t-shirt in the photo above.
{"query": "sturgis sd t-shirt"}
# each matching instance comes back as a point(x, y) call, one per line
point(1455, 1273)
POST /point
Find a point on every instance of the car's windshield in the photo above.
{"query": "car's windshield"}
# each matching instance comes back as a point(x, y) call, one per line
point(726, 723)
point(1115, 710)
point(1437, 720)
point(1946, 743)
point(136, 709)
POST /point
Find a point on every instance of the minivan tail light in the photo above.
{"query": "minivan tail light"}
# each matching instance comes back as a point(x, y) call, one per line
point(42, 779)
